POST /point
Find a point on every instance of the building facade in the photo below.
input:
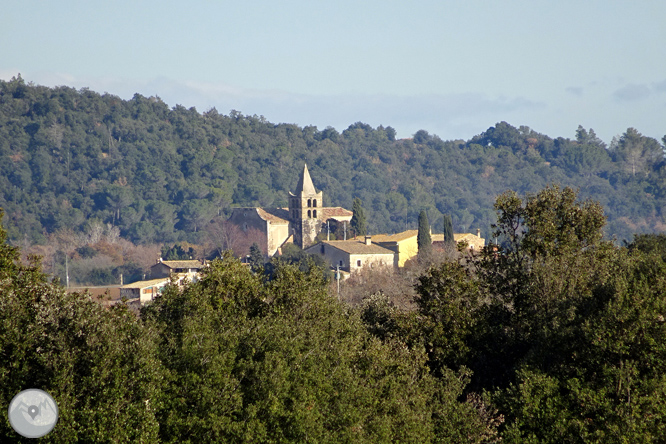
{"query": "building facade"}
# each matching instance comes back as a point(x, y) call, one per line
point(354, 255)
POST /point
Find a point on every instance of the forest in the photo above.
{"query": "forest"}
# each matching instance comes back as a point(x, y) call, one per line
point(78, 160)
point(553, 335)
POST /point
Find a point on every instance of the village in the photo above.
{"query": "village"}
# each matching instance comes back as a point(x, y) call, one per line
point(306, 223)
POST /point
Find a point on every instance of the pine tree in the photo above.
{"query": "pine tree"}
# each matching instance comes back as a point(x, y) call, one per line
point(423, 238)
point(448, 229)
point(358, 219)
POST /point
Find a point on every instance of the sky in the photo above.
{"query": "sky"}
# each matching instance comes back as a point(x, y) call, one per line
point(451, 67)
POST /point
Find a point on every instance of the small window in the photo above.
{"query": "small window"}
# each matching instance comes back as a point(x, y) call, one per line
point(309, 203)
point(314, 203)
point(358, 263)
point(309, 214)
point(342, 264)
point(314, 213)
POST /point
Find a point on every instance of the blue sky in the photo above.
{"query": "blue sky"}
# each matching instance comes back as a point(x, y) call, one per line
point(453, 68)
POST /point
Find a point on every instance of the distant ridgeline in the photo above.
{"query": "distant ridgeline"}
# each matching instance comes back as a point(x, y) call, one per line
point(162, 174)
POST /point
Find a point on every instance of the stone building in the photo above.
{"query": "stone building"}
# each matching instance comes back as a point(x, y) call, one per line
point(300, 223)
point(182, 268)
point(354, 255)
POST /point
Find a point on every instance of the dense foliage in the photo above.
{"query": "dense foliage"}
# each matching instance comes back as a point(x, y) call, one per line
point(233, 357)
point(161, 174)
point(566, 331)
point(552, 335)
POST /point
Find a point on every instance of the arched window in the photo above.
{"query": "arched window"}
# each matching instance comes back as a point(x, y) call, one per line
point(309, 214)
point(314, 213)
point(309, 203)
point(314, 204)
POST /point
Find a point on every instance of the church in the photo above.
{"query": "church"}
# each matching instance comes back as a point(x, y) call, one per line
point(305, 218)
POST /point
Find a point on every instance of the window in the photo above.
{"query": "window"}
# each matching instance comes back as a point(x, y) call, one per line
point(309, 214)
point(309, 203)
point(342, 264)
point(314, 213)
point(358, 263)
point(314, 203)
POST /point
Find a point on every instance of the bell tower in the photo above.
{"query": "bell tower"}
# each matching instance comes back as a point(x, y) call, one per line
point(305, 211)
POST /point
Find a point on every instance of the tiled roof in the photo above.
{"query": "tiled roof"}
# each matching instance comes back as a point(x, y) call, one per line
point(274, 215)
point(145, 284)
point(398, 237)
point(357, 247)
point(183, 264)
point(333, 212)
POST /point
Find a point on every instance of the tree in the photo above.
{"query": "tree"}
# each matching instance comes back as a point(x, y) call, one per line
point(256, 257)
point(177, 252)
point(637, 153)
point(261, 360)
point(423, 238)
point(358, 219)
point(91, 359)
point(448, 229)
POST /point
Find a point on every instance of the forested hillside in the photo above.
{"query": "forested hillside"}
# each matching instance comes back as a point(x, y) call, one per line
point(158, 174)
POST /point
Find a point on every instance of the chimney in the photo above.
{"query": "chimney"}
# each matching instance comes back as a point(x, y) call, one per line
point(478, 232)
point(368, 240)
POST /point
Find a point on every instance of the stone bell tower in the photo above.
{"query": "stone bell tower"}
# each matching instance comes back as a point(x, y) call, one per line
point(305, 211)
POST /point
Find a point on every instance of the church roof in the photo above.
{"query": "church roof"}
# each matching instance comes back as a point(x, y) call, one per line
point(305, 184)
point(275, 215)
point(333, 212)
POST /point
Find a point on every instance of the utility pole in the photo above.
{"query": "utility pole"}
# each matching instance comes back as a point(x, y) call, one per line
point(66, 270)
point(337, 278)
point(328, 229)
point(345, 225)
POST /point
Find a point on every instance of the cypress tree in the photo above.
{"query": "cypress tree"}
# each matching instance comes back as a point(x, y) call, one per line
point(423, 238)
point(448, 229)
point(358, 219)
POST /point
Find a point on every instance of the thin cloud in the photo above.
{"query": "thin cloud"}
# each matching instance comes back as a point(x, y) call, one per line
point(660, 86)
point(575, 90)
point(632, 93)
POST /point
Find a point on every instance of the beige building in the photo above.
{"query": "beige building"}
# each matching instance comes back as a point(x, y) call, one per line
point(162, 273)
point(305, 218)
point(404, 244)
point(272, 224)
point(354, 255)
point(182, 269)
point(474, 242)
point(144, 291)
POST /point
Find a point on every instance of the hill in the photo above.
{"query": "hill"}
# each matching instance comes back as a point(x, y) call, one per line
point(159, 174)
